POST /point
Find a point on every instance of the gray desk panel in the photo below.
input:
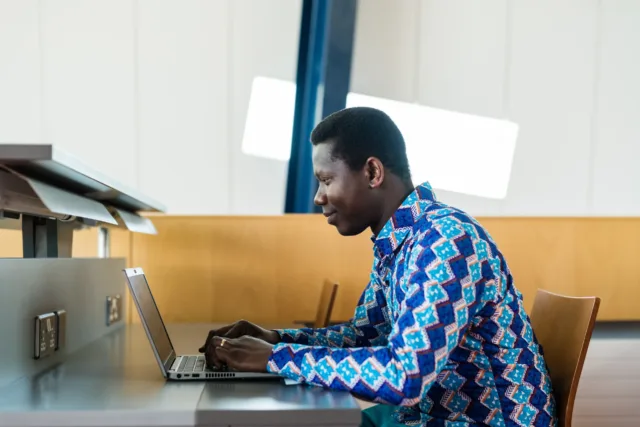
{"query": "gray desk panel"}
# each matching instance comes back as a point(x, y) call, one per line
point(116, 382)
point(268, 403)
point(113, 382)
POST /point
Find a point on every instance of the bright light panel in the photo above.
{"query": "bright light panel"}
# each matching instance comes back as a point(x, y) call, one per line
point(269, 124)
point(456, 152)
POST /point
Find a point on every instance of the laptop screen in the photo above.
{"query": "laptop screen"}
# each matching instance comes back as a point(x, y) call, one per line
point(150, 314)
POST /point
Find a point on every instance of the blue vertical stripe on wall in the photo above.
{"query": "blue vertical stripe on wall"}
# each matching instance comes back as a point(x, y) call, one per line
point(322, 84)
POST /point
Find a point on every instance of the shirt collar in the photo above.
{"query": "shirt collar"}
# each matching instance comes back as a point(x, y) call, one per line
point(401, 222)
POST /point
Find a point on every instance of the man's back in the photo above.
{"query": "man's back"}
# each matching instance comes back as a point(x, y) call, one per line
point(496, 374)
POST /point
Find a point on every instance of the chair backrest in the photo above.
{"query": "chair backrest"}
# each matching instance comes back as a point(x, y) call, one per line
point(325, 307)
point(563, 326)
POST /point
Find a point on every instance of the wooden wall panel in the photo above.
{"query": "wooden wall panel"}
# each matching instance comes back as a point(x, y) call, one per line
point(10, 244)
point(575, 256)
point(270, 269)
point(85, 243)
point(267, 269)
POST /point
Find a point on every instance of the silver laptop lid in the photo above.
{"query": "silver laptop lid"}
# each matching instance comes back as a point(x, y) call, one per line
point(151, 319)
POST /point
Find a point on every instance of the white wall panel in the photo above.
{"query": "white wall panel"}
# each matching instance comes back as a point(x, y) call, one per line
point(462, 55)
point(20, 101)
point(463, 46)
point(155, 92)
point(385, 50)
point(183, 79)
point(616, 172)
point(551, 91)
point(264, 42)
point(88, 82)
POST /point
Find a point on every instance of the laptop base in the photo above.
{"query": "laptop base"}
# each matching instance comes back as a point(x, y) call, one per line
point(210, 374)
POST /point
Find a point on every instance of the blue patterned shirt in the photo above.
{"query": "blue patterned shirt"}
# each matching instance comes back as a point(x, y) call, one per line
point(440, 331)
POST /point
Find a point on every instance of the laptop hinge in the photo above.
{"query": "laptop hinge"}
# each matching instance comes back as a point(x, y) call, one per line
point(171, 361)
point(176, 363)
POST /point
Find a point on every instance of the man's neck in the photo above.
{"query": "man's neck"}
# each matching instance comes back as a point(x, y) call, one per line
point(398, 194)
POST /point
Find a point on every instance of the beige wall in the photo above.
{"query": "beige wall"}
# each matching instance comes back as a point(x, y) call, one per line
point(271, 269)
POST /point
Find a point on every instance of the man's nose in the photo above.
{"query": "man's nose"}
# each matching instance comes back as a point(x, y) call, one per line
point(320, 198)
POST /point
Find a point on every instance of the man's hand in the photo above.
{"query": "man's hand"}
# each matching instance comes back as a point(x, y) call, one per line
point(247, 354)
point(237, 330)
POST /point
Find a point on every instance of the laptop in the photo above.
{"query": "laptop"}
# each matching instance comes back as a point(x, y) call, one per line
point(174, 367)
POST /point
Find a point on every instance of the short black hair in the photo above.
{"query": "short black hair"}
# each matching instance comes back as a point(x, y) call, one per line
point(362, 132)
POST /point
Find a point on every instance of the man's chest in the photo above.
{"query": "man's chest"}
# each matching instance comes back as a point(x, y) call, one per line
point(390, 279)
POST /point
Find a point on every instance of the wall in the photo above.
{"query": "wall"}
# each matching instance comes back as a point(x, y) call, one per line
point(563, 70)
point(276, 265)
point(151, 92)
point(155, 92)
point(85, 243)
point(270, 269)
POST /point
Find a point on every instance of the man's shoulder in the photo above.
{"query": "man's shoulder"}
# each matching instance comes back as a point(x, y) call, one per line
point(449, 221)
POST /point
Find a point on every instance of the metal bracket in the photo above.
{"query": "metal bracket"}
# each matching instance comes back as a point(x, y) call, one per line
point(46, 237)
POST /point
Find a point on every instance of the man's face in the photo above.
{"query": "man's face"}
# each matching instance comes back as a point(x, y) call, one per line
point(342, 193)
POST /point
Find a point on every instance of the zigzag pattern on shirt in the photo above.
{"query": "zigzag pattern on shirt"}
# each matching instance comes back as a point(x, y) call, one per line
point(440, 329)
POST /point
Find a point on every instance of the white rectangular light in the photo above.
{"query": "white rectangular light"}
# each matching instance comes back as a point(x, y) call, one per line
point(269, 125)
point(454, 151)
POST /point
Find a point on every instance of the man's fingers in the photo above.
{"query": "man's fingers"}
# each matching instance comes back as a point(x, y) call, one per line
point(226, 343)
point(222, 354)
point(235, 331)
point(206, 342)
point(214, 332)
point(211, 356)
point(219, 346)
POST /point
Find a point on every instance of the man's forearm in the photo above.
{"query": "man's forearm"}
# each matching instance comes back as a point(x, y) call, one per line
point(377, 374)
point(344, 336)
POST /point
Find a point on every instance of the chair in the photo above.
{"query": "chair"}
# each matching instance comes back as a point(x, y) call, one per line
point(325, 307)
point(563, 326)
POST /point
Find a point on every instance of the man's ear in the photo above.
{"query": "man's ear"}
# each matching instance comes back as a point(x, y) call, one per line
point(375, 172)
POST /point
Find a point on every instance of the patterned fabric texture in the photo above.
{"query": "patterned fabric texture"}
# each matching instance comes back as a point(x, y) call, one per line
point(440, 331)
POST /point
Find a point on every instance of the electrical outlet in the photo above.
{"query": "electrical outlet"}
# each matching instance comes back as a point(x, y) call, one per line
point(114, 309)
point(46, 335)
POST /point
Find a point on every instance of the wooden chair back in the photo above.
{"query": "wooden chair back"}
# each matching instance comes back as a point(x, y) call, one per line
point(325, 306)
point(563, 326)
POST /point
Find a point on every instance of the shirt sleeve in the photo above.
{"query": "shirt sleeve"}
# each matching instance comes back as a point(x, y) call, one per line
point(446, 280)
point(368, 327)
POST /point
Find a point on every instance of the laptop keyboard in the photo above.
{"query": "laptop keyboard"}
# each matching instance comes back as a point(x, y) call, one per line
point(196, 364)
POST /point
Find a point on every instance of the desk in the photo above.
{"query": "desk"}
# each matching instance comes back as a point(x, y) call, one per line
point(115, 381)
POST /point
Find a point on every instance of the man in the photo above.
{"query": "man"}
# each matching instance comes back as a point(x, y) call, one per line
point(440, 336)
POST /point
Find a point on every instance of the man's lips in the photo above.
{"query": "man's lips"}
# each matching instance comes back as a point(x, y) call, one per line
point(330, 216)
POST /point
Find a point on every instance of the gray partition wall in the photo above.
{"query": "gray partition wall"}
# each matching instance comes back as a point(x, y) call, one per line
point(48, 193)
point(30, 287)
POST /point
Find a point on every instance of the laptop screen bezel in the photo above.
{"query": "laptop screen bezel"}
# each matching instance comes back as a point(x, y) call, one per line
point(166, 365)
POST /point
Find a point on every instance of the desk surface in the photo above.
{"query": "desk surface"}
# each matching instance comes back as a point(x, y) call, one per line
point(116, 381)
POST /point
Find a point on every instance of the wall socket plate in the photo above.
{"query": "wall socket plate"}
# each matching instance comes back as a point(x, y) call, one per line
point(114, 309)
point(46, 335)
point(50, 333)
